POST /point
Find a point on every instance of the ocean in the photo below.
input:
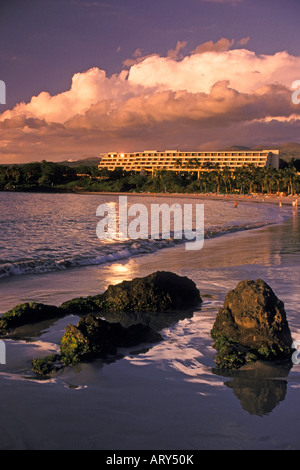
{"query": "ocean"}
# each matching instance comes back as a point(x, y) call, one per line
point(50, 232)
point(164, 396)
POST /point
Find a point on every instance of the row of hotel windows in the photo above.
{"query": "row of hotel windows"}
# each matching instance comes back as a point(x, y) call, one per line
point(166, 167)
point(213, 154)
point(174, 160)
point(160, 162)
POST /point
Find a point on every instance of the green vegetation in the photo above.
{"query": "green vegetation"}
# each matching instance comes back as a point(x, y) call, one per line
point(49, 176)
point(47, 365)
point(74, 346)
point(230, 355)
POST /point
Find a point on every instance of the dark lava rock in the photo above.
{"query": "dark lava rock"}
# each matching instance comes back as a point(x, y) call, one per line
point(93, 338)
point(130, 308)
point(80, 306)
point(251, 325)
point(27, 313)
point(158, 292)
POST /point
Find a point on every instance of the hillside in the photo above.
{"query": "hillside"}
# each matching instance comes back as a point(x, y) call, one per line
point(91, 161)
point(288, 150)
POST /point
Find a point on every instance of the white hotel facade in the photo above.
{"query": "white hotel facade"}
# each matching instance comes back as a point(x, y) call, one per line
point(152, 161)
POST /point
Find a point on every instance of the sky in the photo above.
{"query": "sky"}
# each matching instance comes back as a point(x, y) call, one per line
point(85, 77)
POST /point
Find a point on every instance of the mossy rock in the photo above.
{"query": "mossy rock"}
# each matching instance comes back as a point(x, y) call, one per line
point(27, 313)
point(251, 325)
point(47, 366)
point(231, 355)
point(80, 306)
point(159, 292)
point(74, 346)
point(96, 338)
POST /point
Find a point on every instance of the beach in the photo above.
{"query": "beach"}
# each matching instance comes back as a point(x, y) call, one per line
point(162, 396)
point(253, 198)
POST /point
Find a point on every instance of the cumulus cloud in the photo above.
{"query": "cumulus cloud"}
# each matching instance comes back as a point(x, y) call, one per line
point(222, 106)
point(195, 100)
point(86, 89)
point(244, 69)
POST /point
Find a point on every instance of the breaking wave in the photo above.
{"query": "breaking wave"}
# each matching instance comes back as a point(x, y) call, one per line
point(109, 252)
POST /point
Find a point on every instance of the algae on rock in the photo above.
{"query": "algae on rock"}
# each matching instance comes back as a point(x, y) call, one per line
point(158, 292)
point(251, 325)
point(96, 338)
point(27, 313)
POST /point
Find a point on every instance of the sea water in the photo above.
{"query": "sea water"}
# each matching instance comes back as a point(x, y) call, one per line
point(49, 232)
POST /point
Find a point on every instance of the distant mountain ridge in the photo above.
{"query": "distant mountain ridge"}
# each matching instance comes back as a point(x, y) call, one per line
point(288, 150)
point(90, 161)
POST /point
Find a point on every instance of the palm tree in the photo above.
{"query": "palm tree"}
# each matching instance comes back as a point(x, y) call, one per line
point(227, 178)
point(290, 177)
point(241, 178)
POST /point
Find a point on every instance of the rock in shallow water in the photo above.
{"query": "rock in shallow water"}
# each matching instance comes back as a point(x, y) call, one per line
point(251, 325)
point(131, 307)
point(161, 291)
point(94, 337)
point(27, 313)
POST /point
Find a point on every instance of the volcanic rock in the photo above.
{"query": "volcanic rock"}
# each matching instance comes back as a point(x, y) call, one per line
point(93, 338)
point(251, 325)
point(158, 292)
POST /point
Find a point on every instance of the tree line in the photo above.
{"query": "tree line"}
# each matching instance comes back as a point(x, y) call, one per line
point(50, 176)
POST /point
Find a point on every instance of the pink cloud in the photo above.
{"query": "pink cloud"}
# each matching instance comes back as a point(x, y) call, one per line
point(178, 101)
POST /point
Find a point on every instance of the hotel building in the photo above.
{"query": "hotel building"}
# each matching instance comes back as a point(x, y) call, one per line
point(152, 161)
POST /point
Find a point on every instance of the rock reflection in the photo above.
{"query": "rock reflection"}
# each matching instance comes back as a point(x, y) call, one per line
point(32, 331)
point(156, 321)
point(259, 387)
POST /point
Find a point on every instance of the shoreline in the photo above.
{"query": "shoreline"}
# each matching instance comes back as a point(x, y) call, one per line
point(254, 197)
point(258, 198)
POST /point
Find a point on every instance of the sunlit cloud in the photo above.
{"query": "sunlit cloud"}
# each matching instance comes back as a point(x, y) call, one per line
point(245, 70)
point(209, 96)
